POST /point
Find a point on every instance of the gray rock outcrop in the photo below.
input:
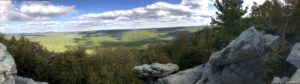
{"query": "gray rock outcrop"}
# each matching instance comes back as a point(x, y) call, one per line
point(7, 67)
point(251, 43)
point(241, 62)
point(151, 72)
point(189, 76)
point(8, 70)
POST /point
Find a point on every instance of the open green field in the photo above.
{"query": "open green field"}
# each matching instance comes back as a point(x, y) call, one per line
point(60, 41)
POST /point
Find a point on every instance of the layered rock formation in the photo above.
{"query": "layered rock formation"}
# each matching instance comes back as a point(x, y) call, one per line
point(241, 62)
point(8, 70)
point(150, 73)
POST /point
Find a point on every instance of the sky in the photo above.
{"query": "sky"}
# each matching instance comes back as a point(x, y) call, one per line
point(31, 16)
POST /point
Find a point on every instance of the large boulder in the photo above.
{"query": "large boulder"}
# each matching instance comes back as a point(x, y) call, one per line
point(250, 44)
point(241, 61)
point(8, 70)
point(294, 57)
point(151, 72)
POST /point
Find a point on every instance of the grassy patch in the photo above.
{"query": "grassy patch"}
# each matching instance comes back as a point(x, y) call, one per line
point(138, 35)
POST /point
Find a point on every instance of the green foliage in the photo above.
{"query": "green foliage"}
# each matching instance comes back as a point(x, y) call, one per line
point(294, 23)
point(229, 17)
point(106, 66)
point(274, 63)
point(28, 55)
point(269, 16)
point(74, 66)
point(278, 18)
point(191, 50)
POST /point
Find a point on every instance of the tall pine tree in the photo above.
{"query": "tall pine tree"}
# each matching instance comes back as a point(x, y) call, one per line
point(229, 17)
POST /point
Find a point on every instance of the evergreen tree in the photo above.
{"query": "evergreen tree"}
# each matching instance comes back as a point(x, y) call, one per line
point(12, 41)
point(229, 17)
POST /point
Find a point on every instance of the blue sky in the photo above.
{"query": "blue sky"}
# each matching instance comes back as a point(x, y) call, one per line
point(28, 16)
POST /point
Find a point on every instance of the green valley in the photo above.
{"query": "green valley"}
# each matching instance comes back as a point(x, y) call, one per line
point(139, 38)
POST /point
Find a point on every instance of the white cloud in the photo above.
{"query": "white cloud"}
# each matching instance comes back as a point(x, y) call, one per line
point(8, 12)
point(202, 4)
point(32, 11)
point(250, 2)
point(159, 14)
point(157, 10)
point(45, 10)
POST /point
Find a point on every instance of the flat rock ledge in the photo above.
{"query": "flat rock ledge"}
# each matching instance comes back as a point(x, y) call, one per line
point(151, 72)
